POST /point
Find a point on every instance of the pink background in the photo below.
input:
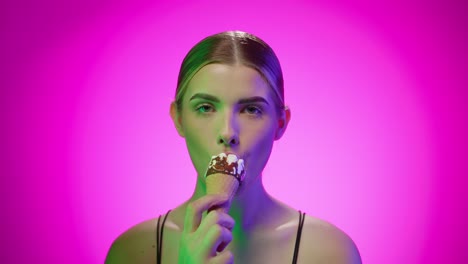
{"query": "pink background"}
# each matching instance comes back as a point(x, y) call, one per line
point(378, 93)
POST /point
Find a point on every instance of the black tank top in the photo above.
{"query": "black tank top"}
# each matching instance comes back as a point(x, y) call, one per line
point(159, 237)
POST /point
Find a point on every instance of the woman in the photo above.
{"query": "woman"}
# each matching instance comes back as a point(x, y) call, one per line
point(230, 99)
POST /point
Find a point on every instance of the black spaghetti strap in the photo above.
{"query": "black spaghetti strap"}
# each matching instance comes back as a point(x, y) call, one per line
point(298, 236)
point(159, 239)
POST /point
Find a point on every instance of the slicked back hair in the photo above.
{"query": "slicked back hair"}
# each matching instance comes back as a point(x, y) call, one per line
point(233, 48)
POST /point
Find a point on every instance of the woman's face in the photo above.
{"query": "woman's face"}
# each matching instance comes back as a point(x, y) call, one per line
point(229, 109)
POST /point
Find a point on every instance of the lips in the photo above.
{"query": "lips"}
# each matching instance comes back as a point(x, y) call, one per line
point(231, 153)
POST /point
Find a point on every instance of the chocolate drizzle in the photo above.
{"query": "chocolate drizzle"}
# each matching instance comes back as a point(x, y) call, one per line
point(230, 166)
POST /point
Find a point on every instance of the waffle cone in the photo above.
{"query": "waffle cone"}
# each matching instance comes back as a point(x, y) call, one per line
point(220, 183)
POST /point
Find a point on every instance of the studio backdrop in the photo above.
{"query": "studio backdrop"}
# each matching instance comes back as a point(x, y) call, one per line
point(376, 144)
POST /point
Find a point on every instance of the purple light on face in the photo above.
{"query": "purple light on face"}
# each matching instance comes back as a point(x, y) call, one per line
point(376, 144)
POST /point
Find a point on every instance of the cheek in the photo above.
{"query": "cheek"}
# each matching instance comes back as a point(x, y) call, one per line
point(259, 142)
point(258, 135)
point(198, 139)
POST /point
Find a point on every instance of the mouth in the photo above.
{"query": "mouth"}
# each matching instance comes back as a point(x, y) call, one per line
point(232, 153)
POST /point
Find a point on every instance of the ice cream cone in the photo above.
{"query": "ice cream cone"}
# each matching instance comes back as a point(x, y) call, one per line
point(220, 183)
point(223, 176)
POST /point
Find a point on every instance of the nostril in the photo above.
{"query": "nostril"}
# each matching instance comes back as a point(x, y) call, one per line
point(233, 141)
point(228, 141)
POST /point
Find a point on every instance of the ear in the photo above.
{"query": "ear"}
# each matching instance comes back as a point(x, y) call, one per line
point(283, 122)
point(175, 115)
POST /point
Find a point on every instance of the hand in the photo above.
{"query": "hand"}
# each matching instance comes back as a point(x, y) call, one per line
point(202, 238)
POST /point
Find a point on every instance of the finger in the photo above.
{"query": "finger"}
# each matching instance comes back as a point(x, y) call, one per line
point(195, 209)
point(216, 236)
point(223, 245)
point(222, 208)
point(225, 257)
point(216, 218)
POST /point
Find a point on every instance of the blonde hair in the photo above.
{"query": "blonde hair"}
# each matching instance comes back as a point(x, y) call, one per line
point(231, 48)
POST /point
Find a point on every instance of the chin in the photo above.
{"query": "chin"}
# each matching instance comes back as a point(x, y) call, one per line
point(249, 180)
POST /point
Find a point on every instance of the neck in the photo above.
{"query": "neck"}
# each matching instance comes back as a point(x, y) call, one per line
point(251, 207)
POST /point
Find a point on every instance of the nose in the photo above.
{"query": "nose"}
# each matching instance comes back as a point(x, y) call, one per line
point(228, 135)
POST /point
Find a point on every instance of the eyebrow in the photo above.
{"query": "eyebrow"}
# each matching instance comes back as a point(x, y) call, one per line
point(249, 100)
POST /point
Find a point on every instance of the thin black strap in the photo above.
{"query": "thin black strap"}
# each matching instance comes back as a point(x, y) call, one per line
point(157, 242)
point(159, 239)
point(298, 236)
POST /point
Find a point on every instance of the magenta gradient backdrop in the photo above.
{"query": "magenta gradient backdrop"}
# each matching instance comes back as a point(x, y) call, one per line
point(376, 145)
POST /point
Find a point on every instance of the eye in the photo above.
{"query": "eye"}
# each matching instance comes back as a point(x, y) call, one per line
point(253, 110)
point(204, 108)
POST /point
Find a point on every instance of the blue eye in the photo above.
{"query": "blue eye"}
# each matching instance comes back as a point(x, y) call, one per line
point(204, 108)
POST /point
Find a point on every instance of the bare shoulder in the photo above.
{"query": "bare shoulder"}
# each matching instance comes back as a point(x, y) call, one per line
point(323, 242)
point(136, 245)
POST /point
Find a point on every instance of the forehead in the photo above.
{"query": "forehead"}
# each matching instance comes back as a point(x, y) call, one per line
point(228, 82)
